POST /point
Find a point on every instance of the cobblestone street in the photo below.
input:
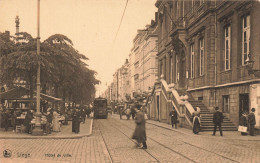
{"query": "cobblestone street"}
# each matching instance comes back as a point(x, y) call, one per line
point(111, 142)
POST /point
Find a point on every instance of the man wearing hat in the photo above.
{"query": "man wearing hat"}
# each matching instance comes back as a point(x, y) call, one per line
point(217, 120)
point(252, 122)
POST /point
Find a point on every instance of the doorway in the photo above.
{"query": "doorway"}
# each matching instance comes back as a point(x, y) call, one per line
point(182, 71)
point(243, 103)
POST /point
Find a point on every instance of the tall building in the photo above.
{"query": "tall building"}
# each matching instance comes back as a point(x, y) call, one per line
point(209, 51)
point(143, 63)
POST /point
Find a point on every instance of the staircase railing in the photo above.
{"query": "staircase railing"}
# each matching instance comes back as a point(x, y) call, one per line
point(178, 103)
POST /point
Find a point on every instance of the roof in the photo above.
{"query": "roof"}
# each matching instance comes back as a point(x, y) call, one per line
point(19, 92)
point(14, 93)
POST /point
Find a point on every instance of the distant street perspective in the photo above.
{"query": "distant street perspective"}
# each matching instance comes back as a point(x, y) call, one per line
point(111, 142)
point(129, 81)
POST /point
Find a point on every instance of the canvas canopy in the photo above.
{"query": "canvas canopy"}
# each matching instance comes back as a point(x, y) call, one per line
point(18, 93)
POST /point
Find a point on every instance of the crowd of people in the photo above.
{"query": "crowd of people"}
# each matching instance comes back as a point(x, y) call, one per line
point(51, 120)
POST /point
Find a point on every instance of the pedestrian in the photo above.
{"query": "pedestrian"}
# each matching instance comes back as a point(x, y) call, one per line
point(196, 120)
point(88, 111)
point(252, 122)
point(217, 120)
point(120, 111)
point(55, 122)
point(49, 122)
point(83, 115)
point(27, 121)
point(6, 116)
point(128, 112)
point(174, 117)
point(76, 120)
point(13, 119)
point(140, 133)
point(133, 112)
point(73, 116)
point(243, 122)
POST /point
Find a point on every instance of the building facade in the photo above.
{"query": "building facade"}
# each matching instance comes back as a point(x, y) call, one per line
point(207, 48)
point(143, 62)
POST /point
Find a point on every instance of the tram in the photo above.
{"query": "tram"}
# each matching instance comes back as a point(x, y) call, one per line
point(100, 108)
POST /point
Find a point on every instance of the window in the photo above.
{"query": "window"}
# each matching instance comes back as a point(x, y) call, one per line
point(227, 47)
point(192, 61)
point(245, 38)
point(225, 104)
point(201, 56)
point(161, 69)
point(201, 2)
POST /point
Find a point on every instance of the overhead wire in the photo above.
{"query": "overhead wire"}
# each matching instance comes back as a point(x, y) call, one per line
point(121, 21)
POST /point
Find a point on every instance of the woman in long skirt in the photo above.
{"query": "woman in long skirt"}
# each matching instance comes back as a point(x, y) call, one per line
point(55, 122)
point(76, 121)
point(196, 121)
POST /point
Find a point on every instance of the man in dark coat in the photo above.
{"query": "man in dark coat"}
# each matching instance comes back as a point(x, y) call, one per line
point(83, 115)
point(6, 119)
point(140, 133)
point(252, 122)
point(49, 122)
point(76, 119)
point(133, 112)
point(174, 117)
point(27, 121)
point(73, 116)
point(88, 111)
point(217, 120)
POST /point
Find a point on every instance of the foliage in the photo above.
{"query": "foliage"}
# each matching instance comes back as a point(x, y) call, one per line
point(62, 66)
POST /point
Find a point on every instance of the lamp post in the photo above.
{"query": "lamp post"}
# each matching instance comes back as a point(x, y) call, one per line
point(250, 65)
point(37, 131)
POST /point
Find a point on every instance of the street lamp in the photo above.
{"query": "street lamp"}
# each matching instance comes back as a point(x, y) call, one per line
point(37, 131)
point(250, 65)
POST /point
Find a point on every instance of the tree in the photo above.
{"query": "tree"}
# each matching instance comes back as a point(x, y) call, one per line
point(61, 66)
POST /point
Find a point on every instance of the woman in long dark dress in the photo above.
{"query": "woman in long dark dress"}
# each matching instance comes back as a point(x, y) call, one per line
point(76, 121)
point(196, 121)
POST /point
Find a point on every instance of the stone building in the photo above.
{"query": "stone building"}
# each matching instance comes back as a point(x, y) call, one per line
point(143, 63)
point(208, 51)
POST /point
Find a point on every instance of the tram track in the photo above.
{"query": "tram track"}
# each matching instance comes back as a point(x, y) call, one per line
point(182, 142)
point(149, 153)
point(129, 139)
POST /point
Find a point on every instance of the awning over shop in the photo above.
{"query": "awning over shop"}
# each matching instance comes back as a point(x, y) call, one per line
point(14, 93)
point(18, 93)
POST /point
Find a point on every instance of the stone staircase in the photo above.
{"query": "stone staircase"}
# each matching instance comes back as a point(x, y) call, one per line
point(207, 118)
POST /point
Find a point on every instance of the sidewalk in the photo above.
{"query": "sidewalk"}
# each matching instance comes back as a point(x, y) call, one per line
point(66, 132)
point(228, 135)
point(232, 135)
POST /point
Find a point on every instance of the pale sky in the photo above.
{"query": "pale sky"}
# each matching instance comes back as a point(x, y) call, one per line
point(90, 24)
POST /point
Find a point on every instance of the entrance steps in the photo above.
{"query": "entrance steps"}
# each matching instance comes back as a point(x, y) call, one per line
point(207, 118)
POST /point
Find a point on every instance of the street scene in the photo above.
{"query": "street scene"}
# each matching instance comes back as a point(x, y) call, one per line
point(111, 142)
point(85, 81)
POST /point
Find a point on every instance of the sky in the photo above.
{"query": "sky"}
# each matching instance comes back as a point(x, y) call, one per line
point(90, 24)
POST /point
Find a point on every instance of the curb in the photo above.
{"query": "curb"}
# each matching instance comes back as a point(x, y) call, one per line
point(209, 136)
point(52, 137)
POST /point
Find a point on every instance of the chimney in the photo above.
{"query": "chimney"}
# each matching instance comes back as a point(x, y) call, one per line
point(17, 22)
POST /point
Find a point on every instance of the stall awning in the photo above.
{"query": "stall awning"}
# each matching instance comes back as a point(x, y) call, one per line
point(14, 93)
point(18, 93)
